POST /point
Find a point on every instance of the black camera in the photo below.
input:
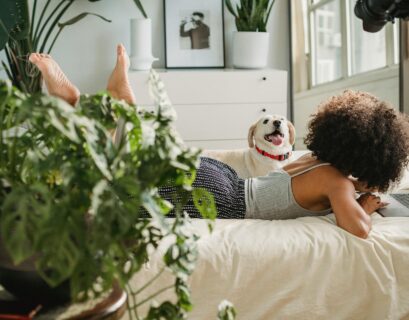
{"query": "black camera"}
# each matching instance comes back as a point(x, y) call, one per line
point(376, 13)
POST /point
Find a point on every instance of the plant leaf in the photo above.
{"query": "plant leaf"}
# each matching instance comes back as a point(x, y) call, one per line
point(204, 202)
point(140, 7)
point(15, 21)
point(80, 17)
point(22, 213)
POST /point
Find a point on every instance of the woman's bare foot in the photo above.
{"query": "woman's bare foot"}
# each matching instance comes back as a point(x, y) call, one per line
point(118, 83)
point(55, 80)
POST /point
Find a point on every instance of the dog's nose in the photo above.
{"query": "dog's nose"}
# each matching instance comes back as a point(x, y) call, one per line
point(277, 123)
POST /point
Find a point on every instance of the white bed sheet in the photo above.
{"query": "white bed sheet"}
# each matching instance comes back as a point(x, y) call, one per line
point(307, 268)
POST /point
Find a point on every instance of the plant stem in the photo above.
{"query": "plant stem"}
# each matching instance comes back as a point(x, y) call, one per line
point(37, 36)
point(128, 306)
point(154, 295)
point(41, 19)
point(12, 68)
point(8, 72)
point(54, 23)
point(149, 282)
point(33, 13)
point(132, 309)
point(55, 39)
point(19, 76)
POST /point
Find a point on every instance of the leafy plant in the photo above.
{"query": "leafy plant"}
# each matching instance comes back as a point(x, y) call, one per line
point(22, 34)
point(68, 192)
point(140, 7)
point(251, 15)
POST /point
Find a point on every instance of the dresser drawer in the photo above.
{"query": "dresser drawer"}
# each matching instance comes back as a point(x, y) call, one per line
point(221, 122)
point(215, 87)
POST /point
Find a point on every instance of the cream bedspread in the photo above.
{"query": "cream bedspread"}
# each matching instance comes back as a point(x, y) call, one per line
point(307, 268)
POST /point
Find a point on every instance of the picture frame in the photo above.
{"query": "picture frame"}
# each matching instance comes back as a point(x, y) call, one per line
point(194, 34)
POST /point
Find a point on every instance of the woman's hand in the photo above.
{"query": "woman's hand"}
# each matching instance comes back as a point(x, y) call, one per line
point(370, 202)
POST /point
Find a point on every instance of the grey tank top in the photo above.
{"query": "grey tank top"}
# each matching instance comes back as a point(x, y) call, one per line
point(271, 197)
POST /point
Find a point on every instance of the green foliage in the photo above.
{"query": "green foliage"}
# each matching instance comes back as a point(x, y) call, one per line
point(22, 34)
point(226, 311)
point(72, 198)
point(251, 15)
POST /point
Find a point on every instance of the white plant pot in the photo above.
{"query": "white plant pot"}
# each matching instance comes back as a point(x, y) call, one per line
point(250, 49)
point(141, 44)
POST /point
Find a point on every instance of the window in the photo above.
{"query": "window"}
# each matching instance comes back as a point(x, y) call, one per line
point(339, 48)
point(327, 44)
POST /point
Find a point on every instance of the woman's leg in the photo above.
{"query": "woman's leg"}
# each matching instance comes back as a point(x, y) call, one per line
point(118, 83)
point(55, 80)
point(222, 182)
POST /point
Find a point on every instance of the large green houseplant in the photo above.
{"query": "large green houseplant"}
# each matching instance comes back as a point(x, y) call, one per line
point(32, 26)
point(72, 198)
point(251, 41)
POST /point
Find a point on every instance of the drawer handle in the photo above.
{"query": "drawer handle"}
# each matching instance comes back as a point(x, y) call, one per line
point(264, 78)
point(263, 110)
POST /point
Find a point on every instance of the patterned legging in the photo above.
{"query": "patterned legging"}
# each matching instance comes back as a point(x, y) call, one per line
point(220, 180)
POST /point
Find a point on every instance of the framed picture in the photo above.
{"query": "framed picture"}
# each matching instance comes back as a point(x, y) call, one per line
point(194, 33)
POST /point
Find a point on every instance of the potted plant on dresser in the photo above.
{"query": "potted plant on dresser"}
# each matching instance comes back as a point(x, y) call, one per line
point(141, 40)
point(251, 40)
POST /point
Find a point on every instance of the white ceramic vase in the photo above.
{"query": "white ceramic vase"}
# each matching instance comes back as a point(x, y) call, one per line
point(250, 49)
point(141, 44)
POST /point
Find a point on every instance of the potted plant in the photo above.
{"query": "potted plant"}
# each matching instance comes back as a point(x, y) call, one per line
point(141, 40)
point(251, 41)
point(70, 199)
point(22, 33)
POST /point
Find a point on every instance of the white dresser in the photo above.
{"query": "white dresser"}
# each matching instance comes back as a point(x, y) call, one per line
point(216, 107)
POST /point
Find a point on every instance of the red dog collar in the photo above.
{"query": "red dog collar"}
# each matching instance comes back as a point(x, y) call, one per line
point(279, 157)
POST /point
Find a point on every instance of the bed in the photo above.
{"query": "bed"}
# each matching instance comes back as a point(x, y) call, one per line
point(306, 268)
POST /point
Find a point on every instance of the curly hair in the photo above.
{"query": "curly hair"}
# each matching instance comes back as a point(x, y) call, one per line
point(361, 136)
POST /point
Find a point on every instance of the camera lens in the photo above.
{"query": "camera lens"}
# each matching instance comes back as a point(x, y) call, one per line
point(371, 21)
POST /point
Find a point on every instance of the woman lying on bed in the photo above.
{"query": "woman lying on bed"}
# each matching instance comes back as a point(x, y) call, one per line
point(352, 135)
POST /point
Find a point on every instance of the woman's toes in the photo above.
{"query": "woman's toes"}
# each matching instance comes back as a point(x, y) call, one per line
point(120, 50)
point(34, 57)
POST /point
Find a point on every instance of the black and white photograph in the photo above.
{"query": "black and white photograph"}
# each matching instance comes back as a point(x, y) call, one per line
point(194, 33)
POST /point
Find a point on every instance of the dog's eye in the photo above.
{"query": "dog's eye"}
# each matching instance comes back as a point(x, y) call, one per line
point(265, 121)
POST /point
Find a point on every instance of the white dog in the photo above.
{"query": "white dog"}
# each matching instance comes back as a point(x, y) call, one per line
point(270, 147)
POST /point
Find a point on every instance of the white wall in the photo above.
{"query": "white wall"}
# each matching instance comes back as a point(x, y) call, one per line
point(382, 83)
point(86, 50)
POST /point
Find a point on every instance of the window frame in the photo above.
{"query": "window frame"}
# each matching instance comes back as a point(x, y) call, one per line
point(346, 52)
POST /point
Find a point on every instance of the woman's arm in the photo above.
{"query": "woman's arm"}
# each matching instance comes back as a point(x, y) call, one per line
point(349, 213)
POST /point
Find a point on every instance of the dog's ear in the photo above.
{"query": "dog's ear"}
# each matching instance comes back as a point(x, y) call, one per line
point(251, 134)
point(291, 130)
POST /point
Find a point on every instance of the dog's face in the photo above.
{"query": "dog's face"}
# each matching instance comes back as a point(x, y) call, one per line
point(273, 134)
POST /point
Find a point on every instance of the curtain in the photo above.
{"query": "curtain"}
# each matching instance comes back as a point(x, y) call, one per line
point(300, 61)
